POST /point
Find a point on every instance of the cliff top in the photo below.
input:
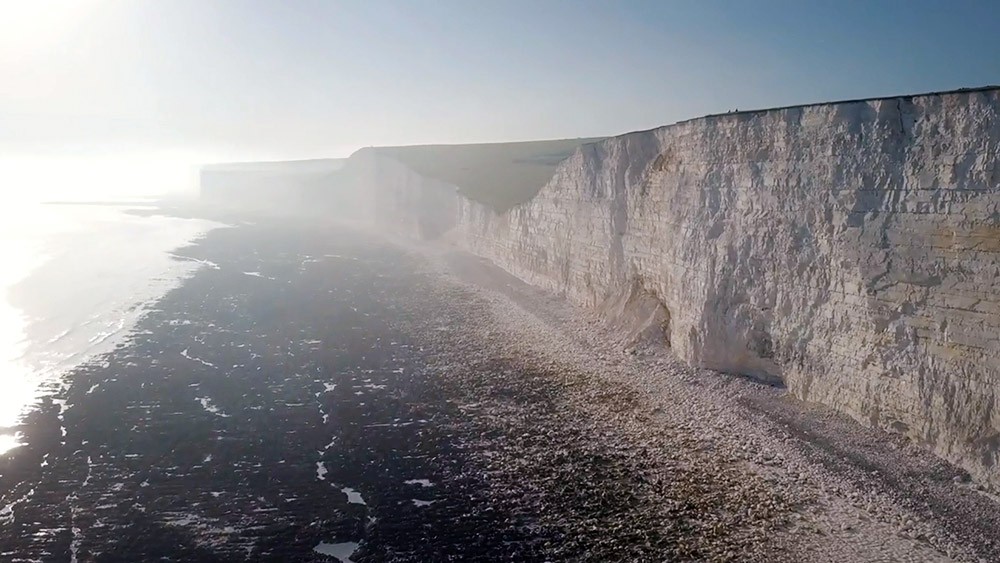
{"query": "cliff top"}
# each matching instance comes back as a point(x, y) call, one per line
point(500, 175)
point(841, 102)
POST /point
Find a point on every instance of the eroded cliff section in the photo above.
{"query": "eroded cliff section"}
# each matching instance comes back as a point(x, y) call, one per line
point(850, 251)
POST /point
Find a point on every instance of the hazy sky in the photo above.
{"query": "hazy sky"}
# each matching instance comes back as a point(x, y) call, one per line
point(306, 78)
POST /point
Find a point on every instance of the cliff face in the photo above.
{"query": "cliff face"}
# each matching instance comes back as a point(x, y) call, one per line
point(417, 190)
point(385, 193)
point(850, 251)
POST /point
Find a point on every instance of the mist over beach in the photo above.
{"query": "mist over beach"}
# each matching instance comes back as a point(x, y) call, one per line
point(561, 280)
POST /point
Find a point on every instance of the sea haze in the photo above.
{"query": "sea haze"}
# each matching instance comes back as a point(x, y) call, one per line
point(74, 280)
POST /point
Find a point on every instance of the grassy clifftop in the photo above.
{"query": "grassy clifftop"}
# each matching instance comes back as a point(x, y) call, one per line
point(500, 175)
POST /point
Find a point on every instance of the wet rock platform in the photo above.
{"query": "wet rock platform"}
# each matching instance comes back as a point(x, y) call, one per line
point(268, 406)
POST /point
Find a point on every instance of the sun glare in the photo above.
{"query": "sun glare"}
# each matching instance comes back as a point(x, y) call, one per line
point(95, 178)
point(28, 24)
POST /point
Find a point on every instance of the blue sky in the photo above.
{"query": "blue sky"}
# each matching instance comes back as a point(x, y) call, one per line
point(307, 78)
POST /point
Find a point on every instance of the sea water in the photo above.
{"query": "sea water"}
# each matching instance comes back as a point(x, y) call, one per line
point(73, 281)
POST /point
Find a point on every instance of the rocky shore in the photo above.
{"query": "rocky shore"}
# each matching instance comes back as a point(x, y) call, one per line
point(317, 394)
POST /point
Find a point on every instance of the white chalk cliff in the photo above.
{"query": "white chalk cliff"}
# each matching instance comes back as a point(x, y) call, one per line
point(850, 251)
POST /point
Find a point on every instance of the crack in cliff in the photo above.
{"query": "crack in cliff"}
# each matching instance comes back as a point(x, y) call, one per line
point(619, 221)
point(899, 112)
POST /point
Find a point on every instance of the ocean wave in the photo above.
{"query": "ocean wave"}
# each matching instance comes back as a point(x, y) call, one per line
point(102, 336)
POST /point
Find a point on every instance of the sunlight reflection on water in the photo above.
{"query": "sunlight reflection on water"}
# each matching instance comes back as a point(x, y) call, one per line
point(71, 280)
point(20, 254)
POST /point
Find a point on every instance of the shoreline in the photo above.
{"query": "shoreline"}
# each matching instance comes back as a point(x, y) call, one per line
point(76, 299)
point(420, 403)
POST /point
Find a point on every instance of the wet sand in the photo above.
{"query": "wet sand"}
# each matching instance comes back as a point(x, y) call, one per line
point(315, 394)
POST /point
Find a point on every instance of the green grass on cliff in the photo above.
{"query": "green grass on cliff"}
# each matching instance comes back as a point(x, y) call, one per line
point(500, 175)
